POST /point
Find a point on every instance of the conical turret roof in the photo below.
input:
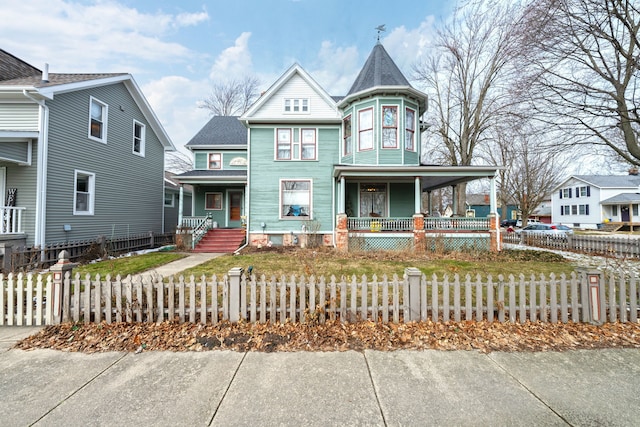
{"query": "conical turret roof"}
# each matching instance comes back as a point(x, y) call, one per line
point(379, 70)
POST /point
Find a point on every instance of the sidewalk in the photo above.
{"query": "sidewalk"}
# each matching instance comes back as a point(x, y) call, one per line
point(52, 388)
point(176, 267)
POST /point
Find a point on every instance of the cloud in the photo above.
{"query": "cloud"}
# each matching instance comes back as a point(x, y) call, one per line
point(234, 61)
point(105, 36)
point(406, 46)
point(175, 100)
point(336, 67)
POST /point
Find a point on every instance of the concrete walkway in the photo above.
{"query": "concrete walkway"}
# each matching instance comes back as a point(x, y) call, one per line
point(224, 388)
point(177, 267)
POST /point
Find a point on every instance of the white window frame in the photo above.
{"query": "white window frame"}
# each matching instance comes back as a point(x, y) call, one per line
point(566, 193)
point(296, 106)
point(284, 216)
point(90, 193)
point(171, 201)
point(366, 131)
point(104, 122)
point(141, 139)
point(207, 194)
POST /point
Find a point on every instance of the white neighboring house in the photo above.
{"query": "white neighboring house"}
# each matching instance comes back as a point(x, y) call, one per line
point(585, 201)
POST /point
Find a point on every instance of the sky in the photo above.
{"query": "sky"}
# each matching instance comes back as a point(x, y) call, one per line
point(176, 50)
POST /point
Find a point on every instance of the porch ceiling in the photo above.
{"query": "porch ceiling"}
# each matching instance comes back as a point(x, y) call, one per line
point(213, 177)
point(433, 177)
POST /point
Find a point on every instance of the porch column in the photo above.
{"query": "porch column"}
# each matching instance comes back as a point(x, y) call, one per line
point(343, 192)
point(418, 195)
point(429, 203)
point(495, 242)
point(454, 205)
point(180, 206)
point(342, 233)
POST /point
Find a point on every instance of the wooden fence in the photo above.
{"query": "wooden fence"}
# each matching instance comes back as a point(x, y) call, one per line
point(29, 258)
point(623, 247)
point(28, 299)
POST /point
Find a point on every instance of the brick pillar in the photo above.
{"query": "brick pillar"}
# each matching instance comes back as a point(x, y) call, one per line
point(342, 233)
point(419, 239)
point(495, 238)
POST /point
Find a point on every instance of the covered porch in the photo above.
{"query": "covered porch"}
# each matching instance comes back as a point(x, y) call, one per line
point(382, 208)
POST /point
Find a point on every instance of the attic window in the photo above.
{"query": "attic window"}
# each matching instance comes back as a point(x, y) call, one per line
point(296, 105)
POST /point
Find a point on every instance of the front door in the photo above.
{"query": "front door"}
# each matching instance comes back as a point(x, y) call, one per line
point(235, 208)
point(624, 213)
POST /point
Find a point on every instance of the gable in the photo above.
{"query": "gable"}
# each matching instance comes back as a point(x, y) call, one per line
point(294, 84)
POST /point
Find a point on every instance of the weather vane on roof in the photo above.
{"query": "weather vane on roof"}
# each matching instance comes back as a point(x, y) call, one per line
point(380, 29)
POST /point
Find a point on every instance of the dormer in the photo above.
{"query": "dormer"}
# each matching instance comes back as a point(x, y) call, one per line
point(380, 115)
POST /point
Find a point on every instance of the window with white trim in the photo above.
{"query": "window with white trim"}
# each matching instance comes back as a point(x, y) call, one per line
point(84, 193)
point(296, 105)
point(139, 131)
point(309, 145)
point(98, 112)
point(365, 129)
point(283, 141)
point(583, 209)
point(346, 132)
point(574, 209)
point(213, 201)
point(215, 161)
point(295, 199)
point(389, 126)
point(565, 193)
point(583, 191)
point(169, 200)
point(410, 130)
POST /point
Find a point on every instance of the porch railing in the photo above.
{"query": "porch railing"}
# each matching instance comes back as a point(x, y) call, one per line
point(11, 220)
point(455, 223)
point(380, 224)
point(406, 224)
point(199, 226)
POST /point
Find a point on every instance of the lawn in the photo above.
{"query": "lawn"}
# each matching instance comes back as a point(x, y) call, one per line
point(126, 265)
point(327, 262)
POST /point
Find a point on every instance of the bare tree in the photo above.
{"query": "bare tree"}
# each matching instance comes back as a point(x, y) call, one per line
point(533, 174)
point(532, 166)
point(232, 98)
point(178, 162)
point(584, 73)
point(467, 77)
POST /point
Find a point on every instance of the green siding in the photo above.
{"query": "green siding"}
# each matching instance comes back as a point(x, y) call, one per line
point(128, 188)
point(201, 162)
point(401, 199)
point(265, 175)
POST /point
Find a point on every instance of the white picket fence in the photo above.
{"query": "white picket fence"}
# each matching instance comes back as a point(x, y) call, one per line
point(31, 300)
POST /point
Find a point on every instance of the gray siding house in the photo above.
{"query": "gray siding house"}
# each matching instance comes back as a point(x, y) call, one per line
point(81, 155)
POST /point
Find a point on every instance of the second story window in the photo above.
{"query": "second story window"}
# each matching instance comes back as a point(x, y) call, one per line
point(389, 127)
point(410, 130)
point(283, 141)
point(296, 105)
point(365, 129)
point(308, 144)
point(348, 147)
point(138, 138)
point(215, 161)
point(98, 120)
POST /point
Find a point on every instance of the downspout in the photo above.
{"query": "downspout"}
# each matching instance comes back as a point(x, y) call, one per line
point(247, 196)
point(41, 179)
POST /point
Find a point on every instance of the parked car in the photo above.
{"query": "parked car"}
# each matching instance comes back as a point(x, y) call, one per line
point(545, 230)
point(508, 223)
point(531, 221)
